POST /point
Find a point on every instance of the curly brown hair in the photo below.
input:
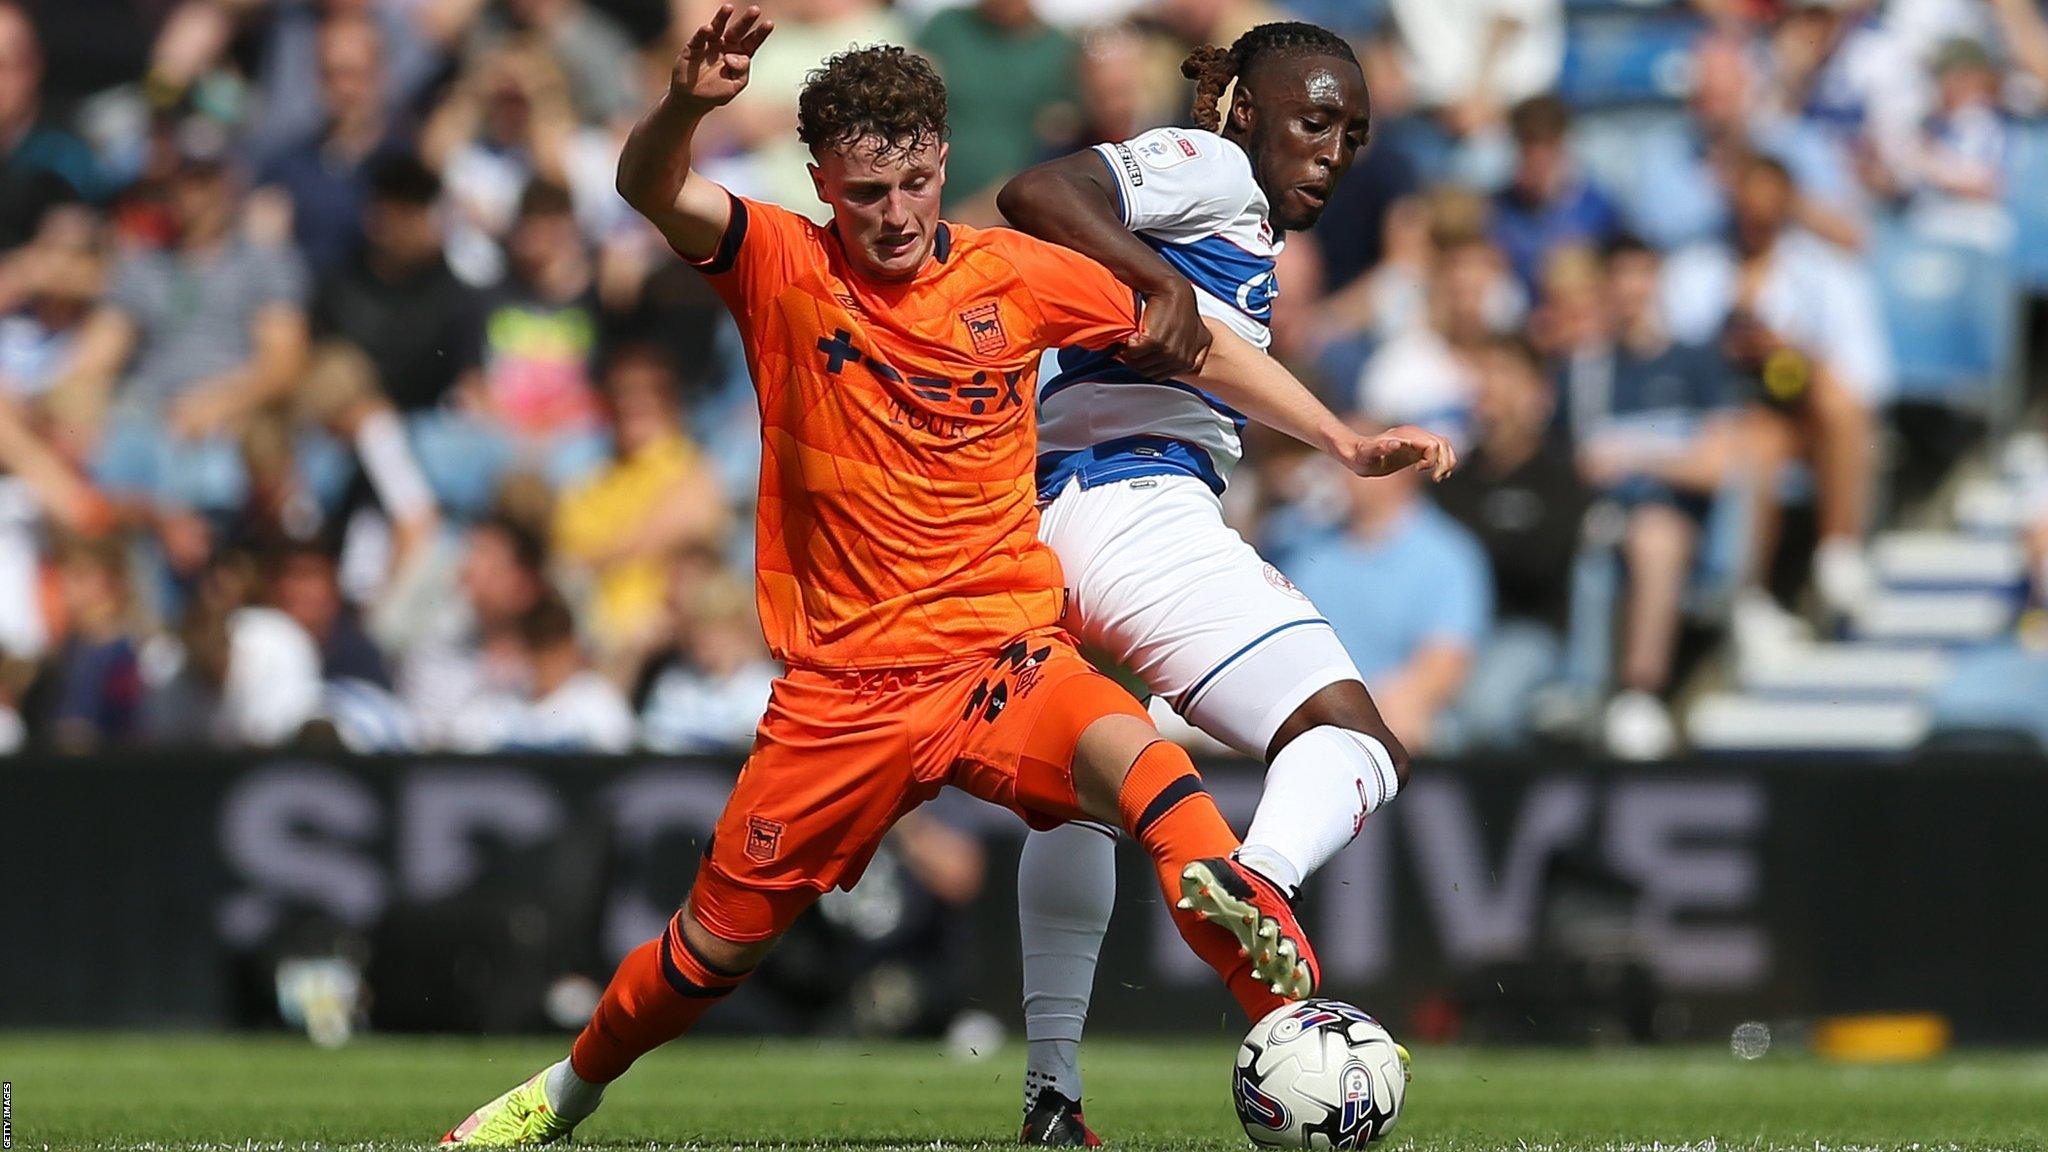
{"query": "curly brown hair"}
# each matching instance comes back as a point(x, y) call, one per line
point(882, 93)
point(1212, 68)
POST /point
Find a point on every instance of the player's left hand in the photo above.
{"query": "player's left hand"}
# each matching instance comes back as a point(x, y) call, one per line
point(1398, 449)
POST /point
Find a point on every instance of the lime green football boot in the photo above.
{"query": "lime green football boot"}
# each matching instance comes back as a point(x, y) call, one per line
point(520, 1118)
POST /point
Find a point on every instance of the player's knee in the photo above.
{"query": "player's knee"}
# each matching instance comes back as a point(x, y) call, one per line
point(1346, 705)
point(722, 956)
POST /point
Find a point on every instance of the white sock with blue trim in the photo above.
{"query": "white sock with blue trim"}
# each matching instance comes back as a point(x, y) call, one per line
point(1319, 791)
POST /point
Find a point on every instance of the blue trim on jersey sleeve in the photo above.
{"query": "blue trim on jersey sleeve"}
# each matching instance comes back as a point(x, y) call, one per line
point(1116, 181)
point(1085, 366)
point(1126, 458)
point(1223, 270)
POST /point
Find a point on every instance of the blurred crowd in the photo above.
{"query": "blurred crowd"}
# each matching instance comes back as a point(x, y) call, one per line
point(341, 398)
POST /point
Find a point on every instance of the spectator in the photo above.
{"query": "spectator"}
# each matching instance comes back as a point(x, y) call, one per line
point(461, 644)
point(1833, 66)
point(94, 691)
point(707, 691)
point(565, 705)
point(418, 332)
point(305, 586)
point(1518, 493)
point(2023, 30)
point(1407, 589)
point(1679, 194)
point(508, 123)
point(41, 166)
point(192, 342)
point(624, 526)
point(588, 45)
point(199, 38)
point(1956, 172)
point(398, 303)
point(39, 490)
point(57, 278)
point(1796, 316)
point(1115, 103)
point(326, 172)
point(1471, 60)
point(537, 406)
point(1423, 374)
point(1009, 79)
point(1656, 423)
point(245, 676)
point(1546, 203)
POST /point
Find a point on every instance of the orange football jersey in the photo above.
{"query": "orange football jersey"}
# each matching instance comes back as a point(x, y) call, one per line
point(897, 523)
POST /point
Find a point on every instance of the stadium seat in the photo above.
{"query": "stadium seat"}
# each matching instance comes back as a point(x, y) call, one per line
point(1624, 56)
point(2027, 175)
point(1951, 312)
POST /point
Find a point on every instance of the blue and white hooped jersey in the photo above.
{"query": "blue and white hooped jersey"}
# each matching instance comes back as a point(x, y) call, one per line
point(1189, 194)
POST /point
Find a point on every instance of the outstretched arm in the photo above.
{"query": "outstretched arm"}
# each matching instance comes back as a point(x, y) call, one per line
point(1263, 389)
point(1071, 202)
point(655, 176)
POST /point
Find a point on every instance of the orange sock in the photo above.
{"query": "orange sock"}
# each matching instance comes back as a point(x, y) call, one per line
point(1166, 809)
point(657, 994)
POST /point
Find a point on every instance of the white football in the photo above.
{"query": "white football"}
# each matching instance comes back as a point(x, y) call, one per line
point(1318, 1074)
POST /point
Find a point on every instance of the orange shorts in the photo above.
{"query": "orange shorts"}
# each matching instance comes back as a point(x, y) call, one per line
point(841, 756)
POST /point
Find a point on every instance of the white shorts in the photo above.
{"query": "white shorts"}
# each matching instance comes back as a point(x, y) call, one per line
point(1164, 587)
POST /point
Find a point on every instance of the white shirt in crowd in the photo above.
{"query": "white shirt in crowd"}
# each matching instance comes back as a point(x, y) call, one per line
point(585, 713)
point(1446, 42)
point(22, 632)
point(1416, 378)
point(1814, 295)
point(273, 685)
point(689, 711)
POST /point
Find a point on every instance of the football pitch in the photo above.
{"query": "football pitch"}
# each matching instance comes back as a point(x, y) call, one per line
point(114, 1091)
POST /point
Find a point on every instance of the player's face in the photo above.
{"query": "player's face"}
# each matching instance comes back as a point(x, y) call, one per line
point(1308, 121)
point(887, 208)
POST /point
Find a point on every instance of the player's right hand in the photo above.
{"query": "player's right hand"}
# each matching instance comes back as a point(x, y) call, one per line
point(713, 66)
point(1173, 341)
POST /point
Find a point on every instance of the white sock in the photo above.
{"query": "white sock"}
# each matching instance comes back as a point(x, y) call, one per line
point(1066, 886)
point(571, 1096)
point(388, 461)
point(1319, 791)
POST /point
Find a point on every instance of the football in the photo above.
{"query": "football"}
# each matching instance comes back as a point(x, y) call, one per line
point(1318, 1074)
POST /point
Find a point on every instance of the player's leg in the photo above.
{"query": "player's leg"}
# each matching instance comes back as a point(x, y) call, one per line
point(1122, 764)
point(1164, 585)
point(826, 780)
point(1066, 887)
point(1330, 764)
point(657, 994)
point(1068, 742)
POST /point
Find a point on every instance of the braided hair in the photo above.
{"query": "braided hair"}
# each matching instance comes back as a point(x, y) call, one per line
point(1212, 68)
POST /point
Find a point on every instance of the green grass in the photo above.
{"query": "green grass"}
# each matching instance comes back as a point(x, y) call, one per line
point(191, 1092)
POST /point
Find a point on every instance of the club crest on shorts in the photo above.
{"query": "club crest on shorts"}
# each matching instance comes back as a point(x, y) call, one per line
point(985, 328)
point(1278, 579)
point(764, 839)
